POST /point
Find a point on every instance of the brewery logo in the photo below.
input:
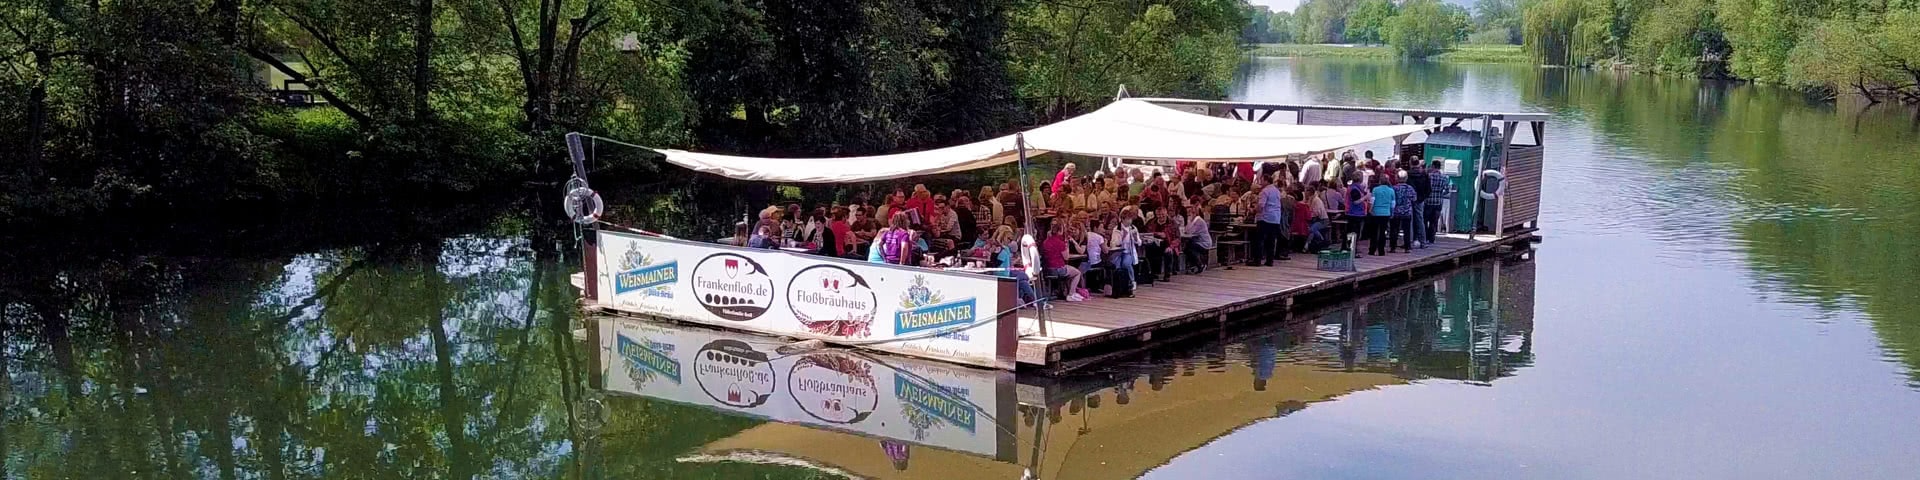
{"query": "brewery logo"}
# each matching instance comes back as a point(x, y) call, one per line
point(927, 405)
point(638, 272)
point(832, 300)
point(922, 308)
point(646, 361)
point(732, 286)
point(733, 373)
point(834, 387)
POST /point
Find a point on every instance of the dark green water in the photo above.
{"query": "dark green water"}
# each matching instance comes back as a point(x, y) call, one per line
point(1719, 296)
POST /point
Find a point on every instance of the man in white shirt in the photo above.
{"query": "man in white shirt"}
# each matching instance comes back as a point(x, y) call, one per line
point(1312, 171)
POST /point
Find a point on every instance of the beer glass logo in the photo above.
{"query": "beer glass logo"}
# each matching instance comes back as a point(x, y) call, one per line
point(833, 300)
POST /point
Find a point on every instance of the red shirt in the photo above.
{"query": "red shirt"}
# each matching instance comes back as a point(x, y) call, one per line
point(1058, 180)
point(1053, 252)
point(1302, 215)
point(842, 235)
point(924, 205)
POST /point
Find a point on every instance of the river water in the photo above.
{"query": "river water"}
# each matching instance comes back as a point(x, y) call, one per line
point(1718, 296)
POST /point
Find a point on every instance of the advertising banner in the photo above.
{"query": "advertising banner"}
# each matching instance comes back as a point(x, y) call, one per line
point(912, 311)
point(927, 403)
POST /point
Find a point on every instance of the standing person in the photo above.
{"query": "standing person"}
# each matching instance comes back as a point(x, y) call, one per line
point(1422, 182)
point(842, 233)
point(1440, 187)
point(1053, 257)
point(1270, 223)
point(1349, 168)
point(1403, 202)
point(1124, 251)
point(1061, 178)
point(1380, 214)
point(1011, 205)
point(1312, 171)
point(1317, 217)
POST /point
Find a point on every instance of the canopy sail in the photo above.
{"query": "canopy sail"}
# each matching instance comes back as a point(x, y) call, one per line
point(1127, 128)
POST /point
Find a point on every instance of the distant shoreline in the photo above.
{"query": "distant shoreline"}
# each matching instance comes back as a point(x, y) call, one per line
point(1458, 54)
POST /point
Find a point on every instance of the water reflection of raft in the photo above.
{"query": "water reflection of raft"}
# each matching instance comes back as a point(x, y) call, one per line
point(1116, 428)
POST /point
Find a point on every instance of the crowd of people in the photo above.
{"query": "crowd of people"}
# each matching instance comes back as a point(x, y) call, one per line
point(1109, 232)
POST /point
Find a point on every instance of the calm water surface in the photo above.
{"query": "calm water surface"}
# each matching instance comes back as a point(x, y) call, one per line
point(1723, 293)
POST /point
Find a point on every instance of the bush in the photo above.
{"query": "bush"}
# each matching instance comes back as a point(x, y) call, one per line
point(1491, 36)
point(1420, 30)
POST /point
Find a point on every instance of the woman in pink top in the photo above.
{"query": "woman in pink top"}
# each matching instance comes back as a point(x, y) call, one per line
point(1053, 257)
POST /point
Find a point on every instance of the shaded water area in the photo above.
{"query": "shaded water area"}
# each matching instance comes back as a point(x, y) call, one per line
point(1719, 296)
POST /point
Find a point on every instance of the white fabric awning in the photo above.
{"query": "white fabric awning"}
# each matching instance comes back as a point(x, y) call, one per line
point(1127, 128)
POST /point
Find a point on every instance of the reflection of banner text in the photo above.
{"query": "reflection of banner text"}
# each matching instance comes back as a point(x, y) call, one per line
point(933, 402)
point(649, 359)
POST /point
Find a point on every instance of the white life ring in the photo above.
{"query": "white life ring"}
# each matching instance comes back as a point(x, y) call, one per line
point(1499, 186)
point(583, 205)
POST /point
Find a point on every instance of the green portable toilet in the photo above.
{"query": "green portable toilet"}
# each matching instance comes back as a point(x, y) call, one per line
point(1459, 150)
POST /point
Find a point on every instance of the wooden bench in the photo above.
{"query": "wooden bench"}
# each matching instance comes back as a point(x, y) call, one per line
point(1229, 250)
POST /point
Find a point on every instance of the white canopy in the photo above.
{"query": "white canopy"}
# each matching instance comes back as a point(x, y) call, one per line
point(1127, 128)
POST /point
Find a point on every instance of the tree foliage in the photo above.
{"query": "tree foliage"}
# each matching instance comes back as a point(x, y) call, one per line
point(1842, 47)
point(1368, 23)
point(1422, 28)
point(116, 103)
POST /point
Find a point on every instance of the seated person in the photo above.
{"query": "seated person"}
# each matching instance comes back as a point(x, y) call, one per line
point(1053, 256)
point(1197, 238)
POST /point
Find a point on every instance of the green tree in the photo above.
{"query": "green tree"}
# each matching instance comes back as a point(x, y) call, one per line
point(1421, 29)
point(1498, 15)
point(1369, 21)
point(1068, 58)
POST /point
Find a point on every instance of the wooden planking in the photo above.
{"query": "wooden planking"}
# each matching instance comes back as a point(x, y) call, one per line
point(1218, 291)
point(1523, 170)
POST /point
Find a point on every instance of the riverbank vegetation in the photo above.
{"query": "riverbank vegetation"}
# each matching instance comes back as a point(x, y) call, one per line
point(1418, 29)
point(1870, 49)
point(1867, 48)
point(181, 105)
point(1463, 53)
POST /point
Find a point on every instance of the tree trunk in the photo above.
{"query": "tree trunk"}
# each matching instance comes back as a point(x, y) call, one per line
point(37, 117)
point(422, 59)
point(452, 404)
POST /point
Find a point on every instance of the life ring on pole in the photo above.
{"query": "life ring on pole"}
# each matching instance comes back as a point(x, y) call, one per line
point(583, 205)
point(1499, 184)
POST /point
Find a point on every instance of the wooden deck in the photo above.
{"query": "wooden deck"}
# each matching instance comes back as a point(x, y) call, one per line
point(1084, 332)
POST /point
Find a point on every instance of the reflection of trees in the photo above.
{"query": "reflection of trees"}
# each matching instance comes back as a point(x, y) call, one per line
point(400, 368)
point(416, 358)
point(1370, 82)
point(1821, 198)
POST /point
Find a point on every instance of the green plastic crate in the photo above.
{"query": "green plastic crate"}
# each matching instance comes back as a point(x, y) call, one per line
point(1336, 260)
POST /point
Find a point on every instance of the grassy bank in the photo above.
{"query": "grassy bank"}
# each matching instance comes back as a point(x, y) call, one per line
point(1459, 54)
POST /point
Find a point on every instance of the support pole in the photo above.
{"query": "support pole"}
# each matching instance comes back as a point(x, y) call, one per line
point(1500, 203)
point(1040, 286)
point(590, 234)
